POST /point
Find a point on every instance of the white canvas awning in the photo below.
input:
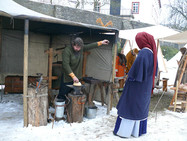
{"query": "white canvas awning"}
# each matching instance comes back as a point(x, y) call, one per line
point(180, 38)
point(157, 31)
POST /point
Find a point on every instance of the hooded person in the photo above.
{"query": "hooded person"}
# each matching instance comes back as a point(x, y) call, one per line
point(133, 106)
point(120, 69)
point(131, 56)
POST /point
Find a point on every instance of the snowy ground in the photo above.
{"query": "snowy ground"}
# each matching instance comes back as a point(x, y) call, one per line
point(163, 125)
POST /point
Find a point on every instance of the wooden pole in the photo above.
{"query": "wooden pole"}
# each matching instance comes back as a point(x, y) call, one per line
point(162, 56)
point(109, 99)
point(85, 54)
point(158, 44)
point(130, 45)
point(114, 60)
point(25, 72)
point(183, 69)
point(176, 92)
point(1, 26)
point(113, 75)
point(50, 69)
point(50, 57)
point(124, 45)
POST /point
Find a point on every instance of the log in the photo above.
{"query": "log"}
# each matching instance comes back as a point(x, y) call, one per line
point(75, 109)
point(37, 106)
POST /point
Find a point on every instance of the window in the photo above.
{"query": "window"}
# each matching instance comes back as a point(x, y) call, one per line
point(135, 7)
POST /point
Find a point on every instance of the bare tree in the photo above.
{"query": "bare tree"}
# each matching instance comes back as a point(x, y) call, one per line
point(178, 14)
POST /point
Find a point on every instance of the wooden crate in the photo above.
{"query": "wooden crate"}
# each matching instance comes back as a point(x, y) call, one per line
point(14, 84)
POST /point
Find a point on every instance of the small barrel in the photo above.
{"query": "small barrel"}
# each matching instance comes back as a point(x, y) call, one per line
point(59, 105)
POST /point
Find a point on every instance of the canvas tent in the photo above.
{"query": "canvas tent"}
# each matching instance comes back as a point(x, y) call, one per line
point(43, 24)
point(26, 34)
point(179, 38)
point(158, 31)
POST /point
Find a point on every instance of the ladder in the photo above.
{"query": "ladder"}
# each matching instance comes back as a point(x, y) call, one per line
point(179, 100)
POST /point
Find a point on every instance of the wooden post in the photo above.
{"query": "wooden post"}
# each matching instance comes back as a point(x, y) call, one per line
point(124, 45)
point(1, 26)
point(183, 69)
point(114, 61)
point(102, 93)
point(50, 58)
point(176, 92)
point(25, 72)
point(109, 99)
point(113, 75)
point(130, 44)
point(85, 54)
point(162, 57)
point(158, 44)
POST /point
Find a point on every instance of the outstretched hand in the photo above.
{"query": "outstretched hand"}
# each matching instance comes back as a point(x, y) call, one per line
point(105, 42)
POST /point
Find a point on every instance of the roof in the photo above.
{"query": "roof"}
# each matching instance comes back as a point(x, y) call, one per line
point(9, 8)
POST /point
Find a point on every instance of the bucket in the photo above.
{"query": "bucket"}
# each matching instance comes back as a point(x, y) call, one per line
point(59, 104)
point(91, 112)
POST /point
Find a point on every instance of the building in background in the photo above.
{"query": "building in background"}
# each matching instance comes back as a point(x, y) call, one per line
point(147, 11)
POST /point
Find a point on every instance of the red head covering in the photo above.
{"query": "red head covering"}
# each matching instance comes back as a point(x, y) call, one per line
point(144, 39)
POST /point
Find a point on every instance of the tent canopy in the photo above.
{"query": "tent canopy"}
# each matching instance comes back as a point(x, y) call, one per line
point(157, 31)
point(9, 8)
point(180, 38)
point(45, 31)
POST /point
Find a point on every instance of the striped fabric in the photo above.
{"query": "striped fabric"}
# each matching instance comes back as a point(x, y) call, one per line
point(126, 128)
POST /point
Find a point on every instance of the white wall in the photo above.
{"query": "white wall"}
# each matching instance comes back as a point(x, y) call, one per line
point(148, 10)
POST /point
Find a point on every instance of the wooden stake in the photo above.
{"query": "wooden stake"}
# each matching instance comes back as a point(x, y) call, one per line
point(25, 72)
point(1, 26)
point(109, 99)
point(85, 54)
point(50, 69)
point(183, 69)
point(162, 58)
point(176, 92)
point(158, 44)
point(114, 62)
point(124, 45)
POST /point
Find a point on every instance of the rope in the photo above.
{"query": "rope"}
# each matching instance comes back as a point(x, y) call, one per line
point(159, 100)
point(158, 103)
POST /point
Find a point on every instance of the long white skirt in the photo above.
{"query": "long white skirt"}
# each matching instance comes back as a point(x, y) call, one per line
point(126, 127)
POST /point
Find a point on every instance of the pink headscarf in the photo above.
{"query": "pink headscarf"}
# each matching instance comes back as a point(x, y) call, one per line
point(144, 39)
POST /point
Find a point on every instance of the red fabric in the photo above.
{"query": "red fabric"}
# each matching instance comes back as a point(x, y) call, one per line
point(144, 39)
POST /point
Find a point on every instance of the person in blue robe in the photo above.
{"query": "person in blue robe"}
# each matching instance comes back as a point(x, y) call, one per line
point(133, 106)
